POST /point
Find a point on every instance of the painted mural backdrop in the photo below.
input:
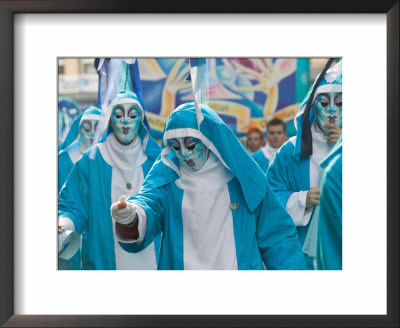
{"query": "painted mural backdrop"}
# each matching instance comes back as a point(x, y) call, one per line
point(245, 92)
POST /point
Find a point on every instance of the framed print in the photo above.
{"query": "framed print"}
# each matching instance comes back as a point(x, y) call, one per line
point(35, 34)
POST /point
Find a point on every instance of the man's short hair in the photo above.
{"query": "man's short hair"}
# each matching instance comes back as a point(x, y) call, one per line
point(257, 130)
point(276, 121)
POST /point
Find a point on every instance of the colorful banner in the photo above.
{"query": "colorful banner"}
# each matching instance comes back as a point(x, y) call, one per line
point(245, 92)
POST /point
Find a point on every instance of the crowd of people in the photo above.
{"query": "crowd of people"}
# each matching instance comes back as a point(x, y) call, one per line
point(202, 200)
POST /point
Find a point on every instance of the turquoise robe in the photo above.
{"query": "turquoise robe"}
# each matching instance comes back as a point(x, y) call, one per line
point(86, 200)
point(329, 244)
point(287, 175)
point(261, 160)
point(65, 166)
point(263, 230)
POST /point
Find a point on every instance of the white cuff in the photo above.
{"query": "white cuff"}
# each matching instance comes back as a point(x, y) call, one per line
point(67, 223)
point(296, 207)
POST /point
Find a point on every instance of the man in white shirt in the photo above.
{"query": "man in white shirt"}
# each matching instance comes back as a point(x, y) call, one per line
point(276, 137)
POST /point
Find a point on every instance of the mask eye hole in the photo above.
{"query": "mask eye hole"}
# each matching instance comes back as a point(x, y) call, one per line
point(118, 113)
point(174, 144)
point(192, 146)
point(86, 127)
point(324, 104)
point(339, 103)
point(133, 114)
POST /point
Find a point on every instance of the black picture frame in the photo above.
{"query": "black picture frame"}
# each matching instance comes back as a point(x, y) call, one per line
point(7, 11)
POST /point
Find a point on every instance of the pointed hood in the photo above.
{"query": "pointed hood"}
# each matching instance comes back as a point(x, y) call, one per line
point(150, 146)
point(330, 80)
point(92, 113)
point(220, 139)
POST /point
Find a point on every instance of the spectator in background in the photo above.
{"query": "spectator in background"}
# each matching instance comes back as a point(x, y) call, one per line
point(276, 137)
point(255, 140)
point(294, 175)
point(120, 164)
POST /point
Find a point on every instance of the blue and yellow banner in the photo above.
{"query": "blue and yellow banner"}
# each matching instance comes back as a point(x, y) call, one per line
point(245, 92)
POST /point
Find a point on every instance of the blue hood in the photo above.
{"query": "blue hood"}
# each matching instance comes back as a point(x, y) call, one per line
point(92, 113)
point(220, 139)
point(150, 146)
point(330, 82)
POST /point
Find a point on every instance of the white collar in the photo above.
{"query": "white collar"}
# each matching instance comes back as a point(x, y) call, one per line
point(320, 142)
point(211, 176)
point(121, 156)
point(269, 152)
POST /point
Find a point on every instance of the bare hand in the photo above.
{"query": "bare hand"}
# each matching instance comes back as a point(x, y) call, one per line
point(333, 133)
point(61, 229)
point(312, 197)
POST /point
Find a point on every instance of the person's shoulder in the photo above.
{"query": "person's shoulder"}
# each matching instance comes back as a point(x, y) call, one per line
point(63, 153)
point(257, 154)
point(92, 154)
point(288, 147)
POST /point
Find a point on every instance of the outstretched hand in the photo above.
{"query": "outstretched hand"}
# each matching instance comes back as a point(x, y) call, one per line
point(123, 212)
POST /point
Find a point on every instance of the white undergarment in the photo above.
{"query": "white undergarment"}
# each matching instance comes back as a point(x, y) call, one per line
point(296, 204)
point(208, 236)
point(126, 163)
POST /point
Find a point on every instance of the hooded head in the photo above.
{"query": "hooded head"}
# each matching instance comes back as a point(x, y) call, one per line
point(214, 136)
point(88, 125)
point(322, 104)
point(83, 128)
point(327, 99)
point(125, 117)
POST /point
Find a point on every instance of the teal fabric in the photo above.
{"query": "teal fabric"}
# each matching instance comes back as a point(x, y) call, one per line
point(261, 160)
point(86, 200)
point(266, 235)
point(251, 178)
point(329, 245)
point(263, 230)
point(65, 166)
point(287, 175)
point(86, 196)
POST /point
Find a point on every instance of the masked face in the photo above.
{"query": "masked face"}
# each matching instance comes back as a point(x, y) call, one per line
point(191, 152)
point(328, 109)
point(87, 129)
point(125, 121)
